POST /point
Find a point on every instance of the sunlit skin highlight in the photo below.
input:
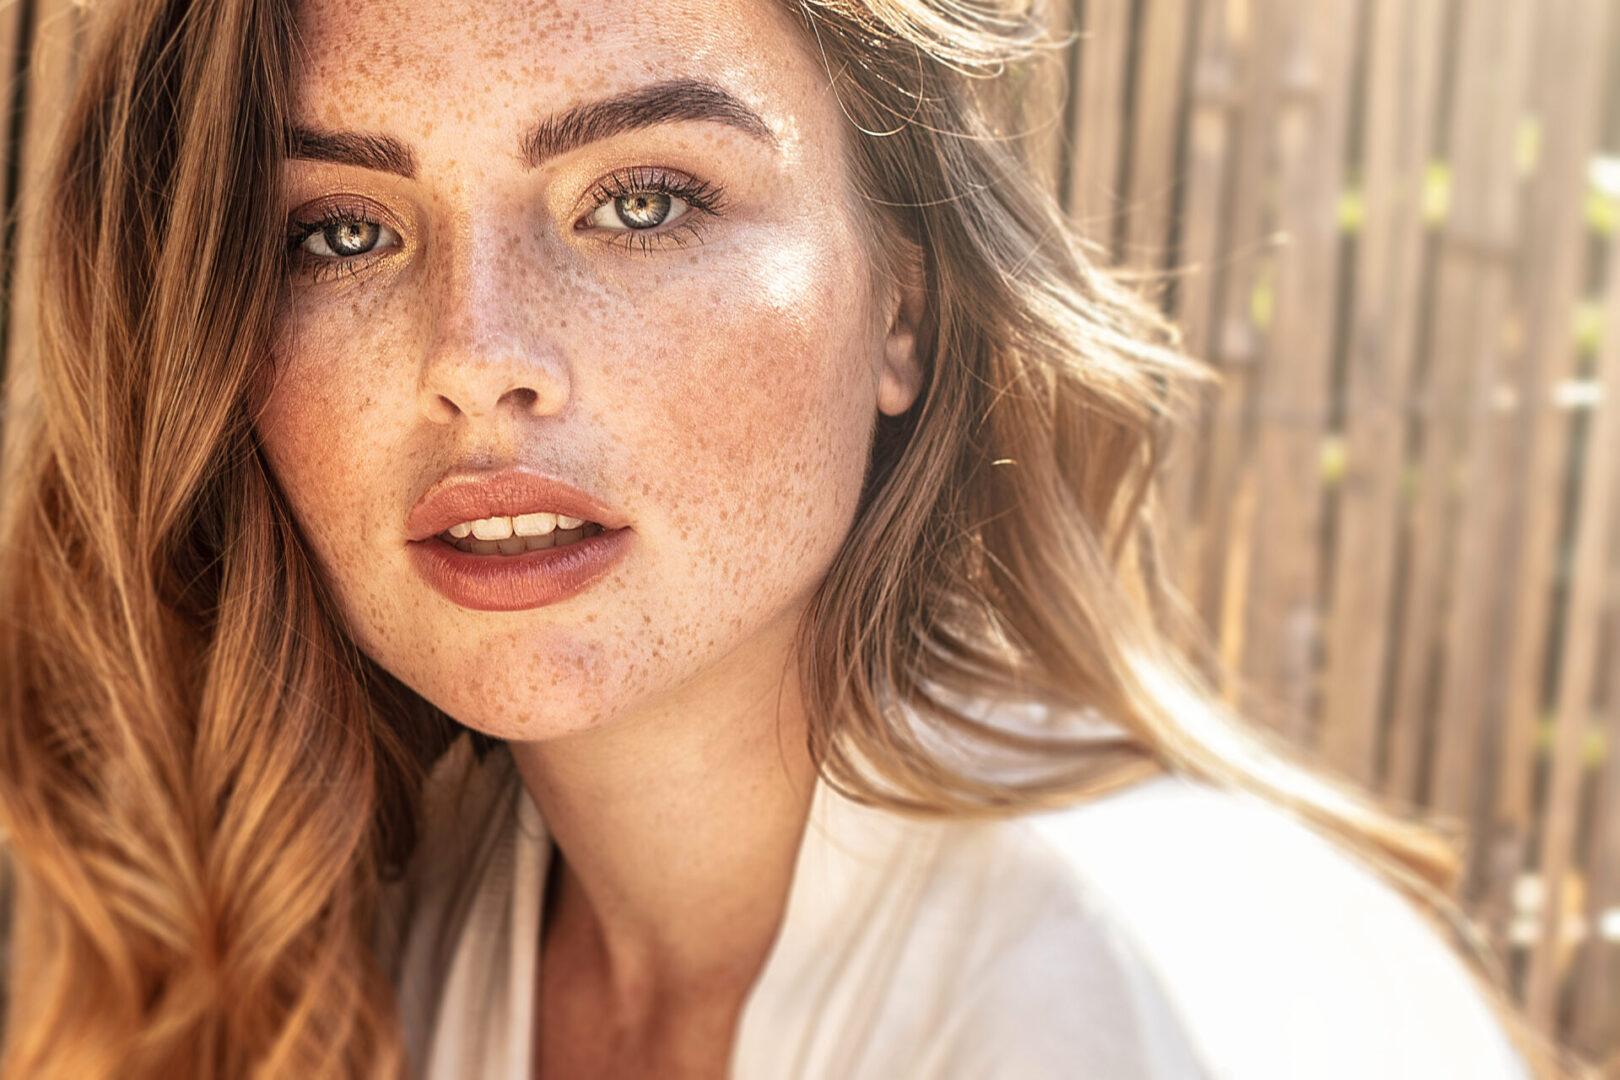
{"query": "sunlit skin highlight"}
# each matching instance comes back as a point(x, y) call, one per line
point(715, 380)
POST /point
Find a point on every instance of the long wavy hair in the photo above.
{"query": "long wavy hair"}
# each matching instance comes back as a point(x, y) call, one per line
point(203, 781)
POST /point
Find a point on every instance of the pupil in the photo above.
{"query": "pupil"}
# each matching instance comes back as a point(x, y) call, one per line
point(352, 237)
point(643, 209)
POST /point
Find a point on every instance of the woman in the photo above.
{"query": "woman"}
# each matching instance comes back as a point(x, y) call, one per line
point(571, 539)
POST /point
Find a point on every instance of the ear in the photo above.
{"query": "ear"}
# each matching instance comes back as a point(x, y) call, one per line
point(900, 380)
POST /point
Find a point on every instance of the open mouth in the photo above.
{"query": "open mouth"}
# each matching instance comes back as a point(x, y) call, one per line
point(519, 534)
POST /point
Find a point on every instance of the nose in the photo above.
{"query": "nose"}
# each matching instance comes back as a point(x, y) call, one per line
point(492, 344)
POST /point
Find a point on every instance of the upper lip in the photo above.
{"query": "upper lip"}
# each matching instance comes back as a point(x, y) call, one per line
point(468, 496)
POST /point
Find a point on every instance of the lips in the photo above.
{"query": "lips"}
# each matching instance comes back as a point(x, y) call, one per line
point(502, 582)
point(506, 493)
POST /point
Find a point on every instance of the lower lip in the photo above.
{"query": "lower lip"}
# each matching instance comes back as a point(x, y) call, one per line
point(518, 582)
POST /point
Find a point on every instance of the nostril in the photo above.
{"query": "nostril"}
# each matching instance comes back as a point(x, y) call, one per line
point(442, 409)
point(523, 397)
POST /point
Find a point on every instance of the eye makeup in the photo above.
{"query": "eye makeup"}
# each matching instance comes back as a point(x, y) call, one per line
point(680, 203)
point(340, 225)
point(640, 208)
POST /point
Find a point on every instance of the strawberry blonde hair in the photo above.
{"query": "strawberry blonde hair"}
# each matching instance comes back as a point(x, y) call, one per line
point(203, 781)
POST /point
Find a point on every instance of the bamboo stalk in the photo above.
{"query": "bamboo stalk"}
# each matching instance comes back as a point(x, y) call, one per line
point(1284, 597)
point(1208, 157)
point(1402, 84)
point(1252, 28)
point(1572, 57)
point(1597, 572)
point(1093, 196)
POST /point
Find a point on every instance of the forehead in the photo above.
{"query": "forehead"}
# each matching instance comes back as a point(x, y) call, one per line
point(489, 63)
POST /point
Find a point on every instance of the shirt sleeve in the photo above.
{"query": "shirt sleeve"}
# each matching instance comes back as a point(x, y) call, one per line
point(1275, 953)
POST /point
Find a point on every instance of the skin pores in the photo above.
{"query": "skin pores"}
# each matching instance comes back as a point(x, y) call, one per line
point(714, 380)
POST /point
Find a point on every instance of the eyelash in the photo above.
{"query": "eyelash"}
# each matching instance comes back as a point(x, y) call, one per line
point(320, 268)
point(703, 199)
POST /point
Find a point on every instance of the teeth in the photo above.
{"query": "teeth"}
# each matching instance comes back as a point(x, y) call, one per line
point(518, 544)
point(537, 524)
point(494, 530)
point(498, 528)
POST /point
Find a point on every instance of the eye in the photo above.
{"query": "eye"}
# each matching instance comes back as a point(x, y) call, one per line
point(338, 239)
point(643, 206)
point(347, 238)
point(640, 210)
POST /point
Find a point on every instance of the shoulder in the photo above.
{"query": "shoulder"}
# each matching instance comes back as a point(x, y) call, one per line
point(1269, 949)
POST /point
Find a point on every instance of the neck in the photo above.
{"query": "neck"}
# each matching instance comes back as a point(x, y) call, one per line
point(678, 828)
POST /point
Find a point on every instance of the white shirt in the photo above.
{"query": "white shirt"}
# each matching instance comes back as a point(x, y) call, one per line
point(1168, 930)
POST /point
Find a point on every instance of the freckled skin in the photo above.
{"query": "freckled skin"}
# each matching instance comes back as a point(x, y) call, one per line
point(719, 393)
point(717, 386)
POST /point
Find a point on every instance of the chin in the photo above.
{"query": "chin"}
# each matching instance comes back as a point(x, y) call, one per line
point(520, 688)
point(511, 710)
point(521, 727)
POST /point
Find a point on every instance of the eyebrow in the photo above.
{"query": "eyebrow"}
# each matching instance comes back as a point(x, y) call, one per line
point(646, 106)
point(383, 153)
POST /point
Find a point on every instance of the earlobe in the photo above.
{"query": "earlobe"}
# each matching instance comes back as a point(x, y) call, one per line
point(901, 379)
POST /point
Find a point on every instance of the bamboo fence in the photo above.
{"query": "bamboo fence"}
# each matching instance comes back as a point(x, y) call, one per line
point(1393, 226)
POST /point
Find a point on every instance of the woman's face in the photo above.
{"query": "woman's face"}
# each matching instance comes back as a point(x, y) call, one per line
point(592, 242)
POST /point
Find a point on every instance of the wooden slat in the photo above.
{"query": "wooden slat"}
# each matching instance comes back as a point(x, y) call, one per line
point(1474, 243)
point(1159, 77)
point(1596, 588)
point(1211, 88)
point(1475, 733)
point(1159, 73)
point(1482, 244)
point(1045, 115)
point(1573, 64)
point(1100, 131)
point(1252, 31)
point(1284, 596)
point(1402, 86)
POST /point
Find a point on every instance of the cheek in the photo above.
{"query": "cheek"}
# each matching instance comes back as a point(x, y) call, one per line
point(330, 430)
point(331, 408)
point(762, 406)
point(727, 410)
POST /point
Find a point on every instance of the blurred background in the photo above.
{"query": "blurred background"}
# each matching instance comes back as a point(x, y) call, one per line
point(1393, 226)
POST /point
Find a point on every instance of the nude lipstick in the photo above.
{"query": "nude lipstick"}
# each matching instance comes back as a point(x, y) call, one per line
point(516, 582)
